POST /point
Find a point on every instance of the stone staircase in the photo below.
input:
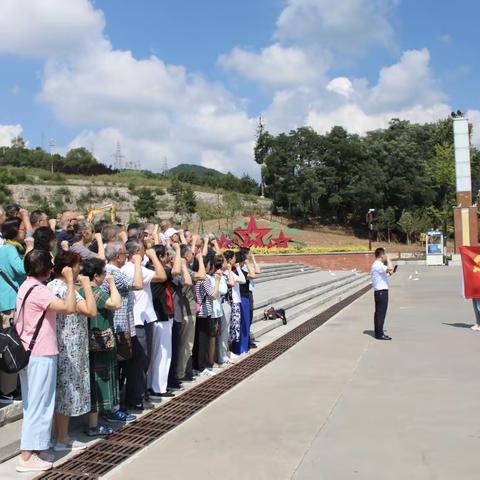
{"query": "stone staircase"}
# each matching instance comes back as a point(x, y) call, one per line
point(299, 289)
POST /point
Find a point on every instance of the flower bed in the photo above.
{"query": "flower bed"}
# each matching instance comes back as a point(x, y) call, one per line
point(306, 249)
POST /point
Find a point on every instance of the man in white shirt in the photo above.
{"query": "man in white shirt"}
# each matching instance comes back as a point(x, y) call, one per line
point(382, 267)
point(143, 312)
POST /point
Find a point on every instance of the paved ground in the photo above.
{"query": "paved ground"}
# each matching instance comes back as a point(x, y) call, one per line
point(341, 405)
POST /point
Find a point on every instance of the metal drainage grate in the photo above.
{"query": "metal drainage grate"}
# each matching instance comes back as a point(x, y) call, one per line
point(107, 454)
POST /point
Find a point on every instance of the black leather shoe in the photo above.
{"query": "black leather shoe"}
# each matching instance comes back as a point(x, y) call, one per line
point(384, 337)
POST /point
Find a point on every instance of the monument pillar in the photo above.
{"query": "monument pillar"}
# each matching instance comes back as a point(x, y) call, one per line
point(464, 214)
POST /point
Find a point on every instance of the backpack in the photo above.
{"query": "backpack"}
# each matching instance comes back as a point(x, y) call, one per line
point(272, 313)
point(13, 356)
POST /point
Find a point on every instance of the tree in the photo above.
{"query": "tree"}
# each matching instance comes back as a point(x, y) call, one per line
point(18, 142)
point(204, 212)
point(232, 205)
point(412, 224)
point(187, 201)
point(386, 221)
point(146, 204)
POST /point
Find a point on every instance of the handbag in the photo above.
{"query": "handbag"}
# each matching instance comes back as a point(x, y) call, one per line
point(124, 345)
point(101, 340)
point(13, 355)
point(273, 313)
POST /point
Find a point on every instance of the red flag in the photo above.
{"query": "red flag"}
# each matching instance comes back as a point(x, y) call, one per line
point(471, 271)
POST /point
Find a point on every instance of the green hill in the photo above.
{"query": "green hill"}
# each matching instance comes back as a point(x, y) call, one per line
point(209, 177)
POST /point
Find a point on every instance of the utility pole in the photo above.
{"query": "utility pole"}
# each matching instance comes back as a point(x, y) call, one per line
point(370, 227)
point(51, 144)
point(165, 167)
point(119, 158)
point(260, 129)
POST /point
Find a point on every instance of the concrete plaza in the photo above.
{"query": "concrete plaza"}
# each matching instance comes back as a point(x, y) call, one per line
point(342, 405)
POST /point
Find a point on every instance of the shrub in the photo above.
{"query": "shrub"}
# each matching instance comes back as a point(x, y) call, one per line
point(276, 251)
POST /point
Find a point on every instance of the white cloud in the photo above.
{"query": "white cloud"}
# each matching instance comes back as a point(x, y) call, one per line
point(340, 85)
point(156, 110)
point(406, 90)
point(152, 108)
point(356, 120)
point(8, 133)
point(159, 110)
point(348, 26)
point(275, 66)
point(410, 81)
point(50, 28)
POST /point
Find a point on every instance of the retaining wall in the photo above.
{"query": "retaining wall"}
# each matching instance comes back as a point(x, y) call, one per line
point(328, 261)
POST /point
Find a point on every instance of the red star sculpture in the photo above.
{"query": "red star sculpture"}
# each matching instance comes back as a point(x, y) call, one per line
point(252, 236)
point(224, 241)
point(282, 240)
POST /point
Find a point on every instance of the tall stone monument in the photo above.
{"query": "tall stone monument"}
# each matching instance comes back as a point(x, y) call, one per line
point(464, 214)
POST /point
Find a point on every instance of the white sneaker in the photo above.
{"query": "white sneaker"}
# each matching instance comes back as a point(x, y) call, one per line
point(33, 464)
point(475, 327)
point(207, 373)
point(72, 445)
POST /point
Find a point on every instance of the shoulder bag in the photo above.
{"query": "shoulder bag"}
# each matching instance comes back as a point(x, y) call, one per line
point(13, 355)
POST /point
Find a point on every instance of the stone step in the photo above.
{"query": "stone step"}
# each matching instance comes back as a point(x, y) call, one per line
point(299, 298)
point(269, 267)
point(285, 274)
point(286, 268)
point(314, 306)
point(273, 299)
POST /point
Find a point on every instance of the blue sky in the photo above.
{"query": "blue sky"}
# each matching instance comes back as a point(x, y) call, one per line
point(199, 73)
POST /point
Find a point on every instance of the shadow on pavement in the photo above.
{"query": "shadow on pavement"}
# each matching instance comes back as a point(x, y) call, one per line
point(369, 332)
point(458, 325)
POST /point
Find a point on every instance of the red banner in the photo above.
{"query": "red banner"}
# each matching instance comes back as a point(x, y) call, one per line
point(471, 271)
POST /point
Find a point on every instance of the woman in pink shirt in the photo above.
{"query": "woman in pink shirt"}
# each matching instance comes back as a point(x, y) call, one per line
point(38, 379)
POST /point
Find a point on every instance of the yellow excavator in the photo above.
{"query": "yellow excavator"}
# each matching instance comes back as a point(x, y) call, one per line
point(92, 212)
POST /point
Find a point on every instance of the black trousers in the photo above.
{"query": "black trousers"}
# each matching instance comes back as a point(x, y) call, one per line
point(381, 305)
point(137, 367)
point(176, 337)
point(201, 343)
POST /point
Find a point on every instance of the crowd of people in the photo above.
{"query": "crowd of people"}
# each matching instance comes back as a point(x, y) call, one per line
point(129, 313)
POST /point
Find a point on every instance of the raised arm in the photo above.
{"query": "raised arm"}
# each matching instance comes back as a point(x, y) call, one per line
point(181, 235)
point(256, 267)
point(201, 274)
point(69, 304)
point(160, 275)
point(205, 246)
point(251, 272)
point(390, 267)
point(239, 276)
point(114, 302)
point(101, 246)
point(216, 247)
point(25, 217)
point(137, 273)
point(87, 307)
point(231, 278)
point(177, 264)
point(187, 278)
